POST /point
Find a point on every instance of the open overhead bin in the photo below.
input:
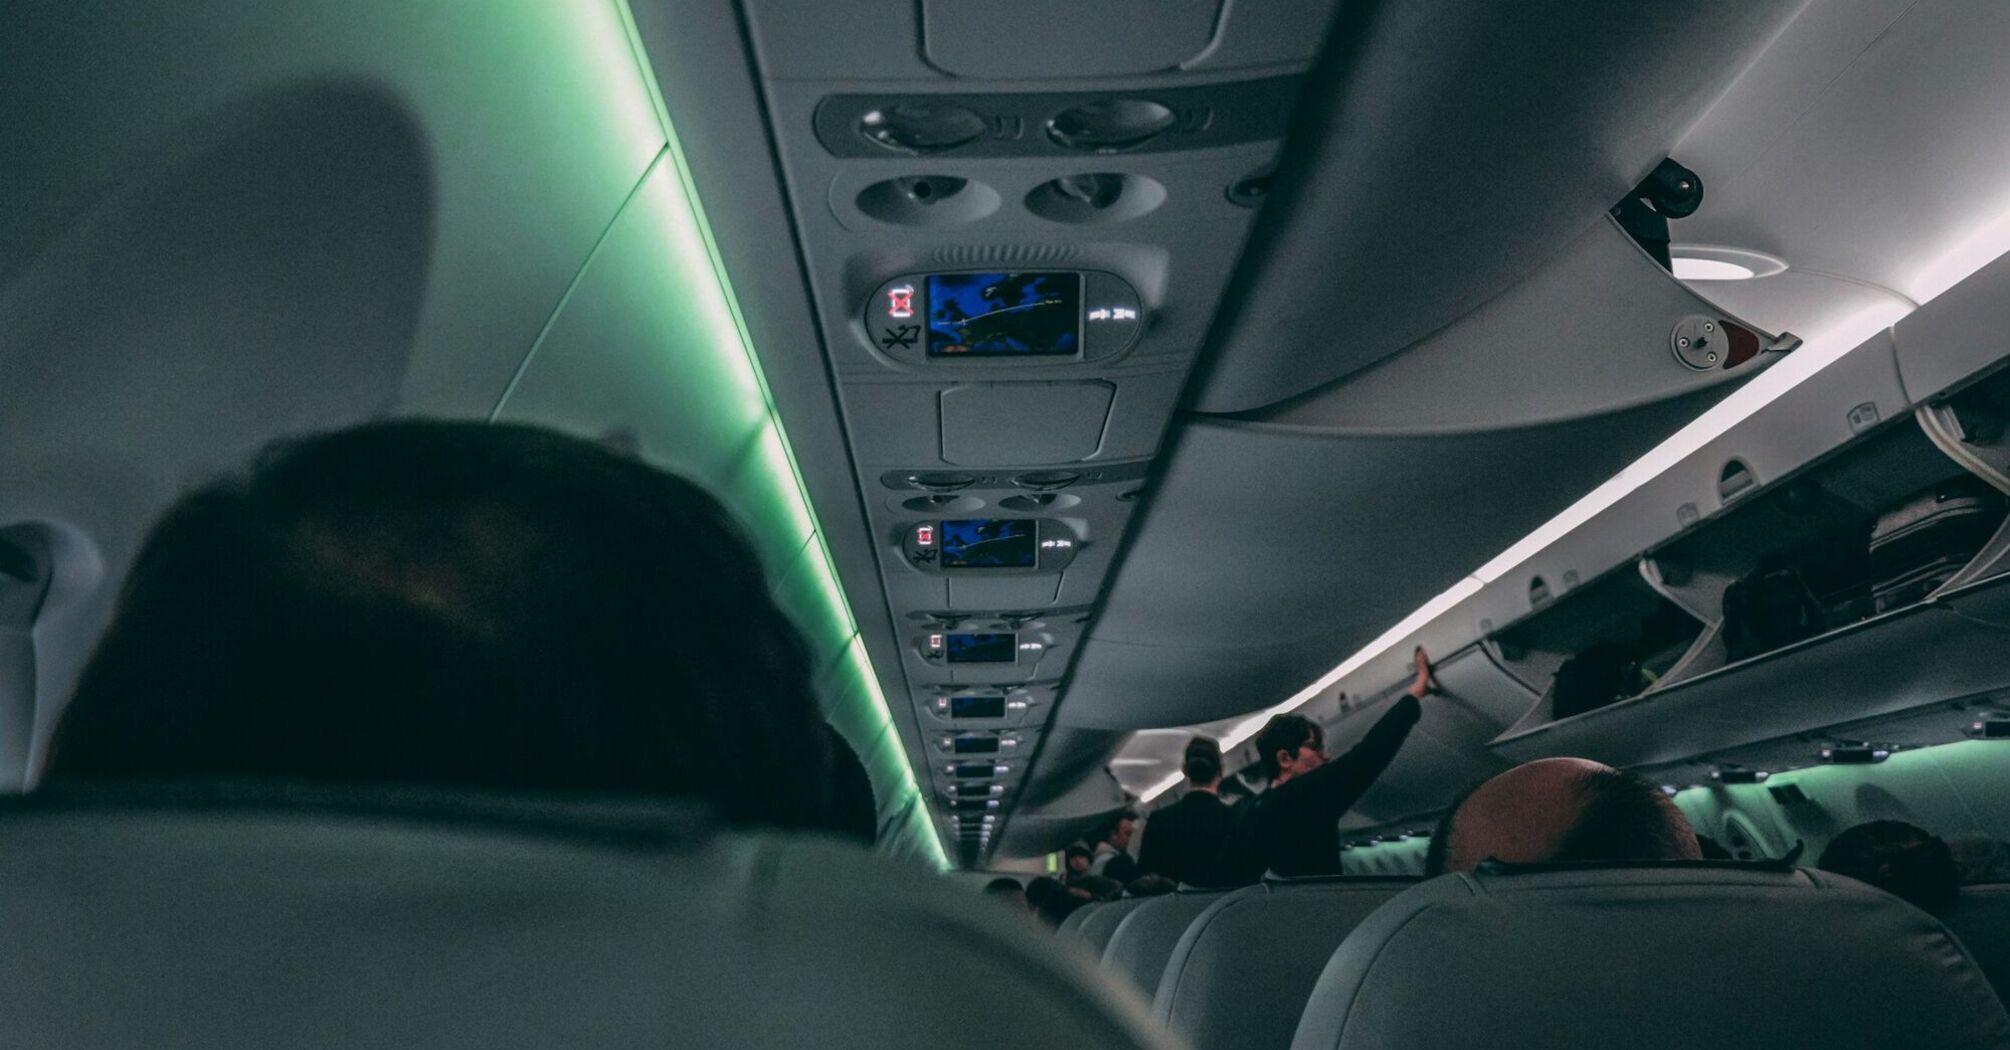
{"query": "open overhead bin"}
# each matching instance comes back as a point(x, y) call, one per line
point(1280, 540)
point(1444, 150)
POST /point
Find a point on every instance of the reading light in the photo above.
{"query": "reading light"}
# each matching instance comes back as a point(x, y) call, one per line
point(1992, 726)
point(1713, 262)
point(1854, 754)
point(1687, 269)
point(1739, 775)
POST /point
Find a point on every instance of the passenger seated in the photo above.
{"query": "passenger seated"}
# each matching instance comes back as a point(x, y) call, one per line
point(1292, 828)
point(1560, 810)
point(461, 605)
point(1096, 888)
point(854, 809)
point(1149, 886)
point(1181, 840)
point(1075, 859)
point(1053, 902)
point(1902, 859)
point(1110, 859)
point(1039, 889)
point(1007, 891)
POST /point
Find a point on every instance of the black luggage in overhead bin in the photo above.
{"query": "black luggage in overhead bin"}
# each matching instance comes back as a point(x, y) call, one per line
point(1926, 538)
point(1769, 609)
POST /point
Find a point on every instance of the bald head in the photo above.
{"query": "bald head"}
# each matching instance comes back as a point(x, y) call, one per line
point(1564, 809)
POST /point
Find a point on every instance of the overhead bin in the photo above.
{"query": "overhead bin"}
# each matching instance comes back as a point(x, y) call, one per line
point(1815, 468)
point(1423, 195)
point(1910, 658)
point(1601, 328)
point(1867, 584)
point(1269, 553)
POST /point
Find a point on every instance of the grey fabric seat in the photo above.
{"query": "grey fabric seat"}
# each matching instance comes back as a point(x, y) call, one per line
point(1100, 925)
point(1145, 939)
point(1242, 971)
point(447, 924)
point(1980, 916)
point(1666, 956)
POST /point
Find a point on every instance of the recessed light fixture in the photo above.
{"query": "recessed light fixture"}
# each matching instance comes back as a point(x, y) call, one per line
point(1715, 262)
point(1711, 270)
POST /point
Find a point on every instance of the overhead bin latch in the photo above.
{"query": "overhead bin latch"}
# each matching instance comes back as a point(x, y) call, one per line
point(1671, 191)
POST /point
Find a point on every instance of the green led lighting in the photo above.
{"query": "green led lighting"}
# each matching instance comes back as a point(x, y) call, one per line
point(717, 309)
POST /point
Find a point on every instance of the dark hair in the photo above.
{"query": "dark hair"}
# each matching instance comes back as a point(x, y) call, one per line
point(1116, 821)
point(455, 603)
point(1621, 817)
point(1053, 908)
point(854, 811)
point(1100, 888)
point(1437, 855)
point(1902, 859)
point(1203, 760)
point(1041, 888)
point(1001, 886)
point(1153, 885)
point(1077, 849)
point(1285, 733)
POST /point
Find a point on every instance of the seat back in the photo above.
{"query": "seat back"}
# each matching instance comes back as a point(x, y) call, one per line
point(1653, 957)
point(1980, 916)
point(1242, 971)
point(1101, 924)
point(1144, 940)
point(224, 927)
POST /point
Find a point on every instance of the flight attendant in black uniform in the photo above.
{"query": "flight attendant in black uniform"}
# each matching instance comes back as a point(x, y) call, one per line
point(1293, 827)
point(1182, 839)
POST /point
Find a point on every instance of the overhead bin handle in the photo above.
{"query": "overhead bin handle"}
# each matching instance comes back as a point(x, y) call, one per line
point(1735, 480)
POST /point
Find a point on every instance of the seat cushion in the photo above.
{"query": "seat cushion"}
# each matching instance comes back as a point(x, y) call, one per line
point(1980, 916)
point(491, 925)
point(1242, 971)
point(1145, 939)
point(1670, 956)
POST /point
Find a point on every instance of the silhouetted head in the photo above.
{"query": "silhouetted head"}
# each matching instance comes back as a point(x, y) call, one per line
point(1290, 745)
point(1559, 810)
point(1078, 857)
point(1122, 827)
point(460, 604)
point(1901, 859)
point(1202, 764)
point(1097, 887)
point(854, 809)
point(1006, 890)
point(1041, 888)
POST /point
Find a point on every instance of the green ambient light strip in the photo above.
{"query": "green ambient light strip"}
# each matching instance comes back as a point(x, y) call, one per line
point(786, 474)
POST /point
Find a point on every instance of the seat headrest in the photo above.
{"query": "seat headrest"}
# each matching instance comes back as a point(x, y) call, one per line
point(1650, 957)
point(1284, 930)
point(476, 924)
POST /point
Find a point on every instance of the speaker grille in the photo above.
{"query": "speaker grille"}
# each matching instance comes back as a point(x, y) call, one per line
point(1017, 254)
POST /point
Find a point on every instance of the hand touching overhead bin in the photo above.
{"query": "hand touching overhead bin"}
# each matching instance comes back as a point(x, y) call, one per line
point(1293, 827)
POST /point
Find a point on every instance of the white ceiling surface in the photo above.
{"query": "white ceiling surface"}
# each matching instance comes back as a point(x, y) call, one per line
point(1865, 149)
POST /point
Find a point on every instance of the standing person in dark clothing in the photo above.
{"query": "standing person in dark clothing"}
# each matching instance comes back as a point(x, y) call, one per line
point(1181, 840)
point(1293, 828)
